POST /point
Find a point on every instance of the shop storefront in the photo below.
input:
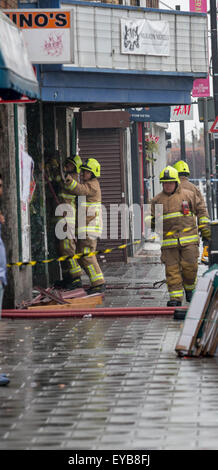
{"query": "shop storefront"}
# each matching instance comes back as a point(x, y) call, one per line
point(18, 85)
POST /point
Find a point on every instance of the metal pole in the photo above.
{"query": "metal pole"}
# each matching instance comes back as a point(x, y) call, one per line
point(207, 161)
point(213, 23)
point(182, 140)
point(212, 176)
point(144, 163)
point(43, 192)
point(152, 176)
point(193, 155)
point(17, 166)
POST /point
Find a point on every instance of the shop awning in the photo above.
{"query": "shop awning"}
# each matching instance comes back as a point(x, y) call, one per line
point(17, 77)
point(103, 89)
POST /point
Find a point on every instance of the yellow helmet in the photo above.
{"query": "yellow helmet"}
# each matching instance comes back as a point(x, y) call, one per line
point(182, 167)
point(76, 160)
point(91, 164)
point(169, 174)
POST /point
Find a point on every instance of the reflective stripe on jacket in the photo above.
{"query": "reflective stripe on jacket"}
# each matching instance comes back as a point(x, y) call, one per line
point(66, 197)
point(92, 204)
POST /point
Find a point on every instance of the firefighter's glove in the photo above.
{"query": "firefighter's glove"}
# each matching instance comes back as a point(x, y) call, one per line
point(206, 233)
point(68, 179)
point(149, 222)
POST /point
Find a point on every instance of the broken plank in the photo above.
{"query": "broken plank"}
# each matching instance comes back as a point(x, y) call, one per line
point(88, 301)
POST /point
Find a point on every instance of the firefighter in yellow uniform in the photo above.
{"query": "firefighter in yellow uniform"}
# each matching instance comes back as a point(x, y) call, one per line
point(184, 173)
point(179, 248)
point(90, 228)
point(71, 270)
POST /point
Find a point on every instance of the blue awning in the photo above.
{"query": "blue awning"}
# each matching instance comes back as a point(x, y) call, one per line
point(100, 88)
point(17, 77)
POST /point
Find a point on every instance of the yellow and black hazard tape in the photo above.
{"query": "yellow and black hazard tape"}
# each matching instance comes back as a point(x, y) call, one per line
point(92, 253)
point(187, 229)
point(76, 256)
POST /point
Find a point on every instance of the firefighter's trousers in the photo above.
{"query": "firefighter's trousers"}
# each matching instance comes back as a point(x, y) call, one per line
point(70, 267)
point(90, 263)
point(181, 266)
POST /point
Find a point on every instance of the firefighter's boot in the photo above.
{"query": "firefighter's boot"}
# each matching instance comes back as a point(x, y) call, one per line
point(174, 303)
point(61, 284)
point(188, 295)
point(96, 289)
point(4, 379)
point(73, 283)
point(68, 283)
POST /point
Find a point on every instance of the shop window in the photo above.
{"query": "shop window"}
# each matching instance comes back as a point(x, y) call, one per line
point(152, 3)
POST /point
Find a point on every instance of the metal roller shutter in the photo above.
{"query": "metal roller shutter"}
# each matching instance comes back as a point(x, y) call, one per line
point(106, 145)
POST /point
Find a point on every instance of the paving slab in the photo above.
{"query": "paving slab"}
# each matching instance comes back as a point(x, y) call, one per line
point(110, 382)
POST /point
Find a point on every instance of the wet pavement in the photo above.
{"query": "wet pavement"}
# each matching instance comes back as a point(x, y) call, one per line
point(107, 383)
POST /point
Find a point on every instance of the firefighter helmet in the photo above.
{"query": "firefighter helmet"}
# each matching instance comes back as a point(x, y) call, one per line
point(169, 174)
point(76, 160)
point(91, 164)
point(182, 167)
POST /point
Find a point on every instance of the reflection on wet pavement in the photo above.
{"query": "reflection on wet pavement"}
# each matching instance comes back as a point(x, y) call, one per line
point(104, 383)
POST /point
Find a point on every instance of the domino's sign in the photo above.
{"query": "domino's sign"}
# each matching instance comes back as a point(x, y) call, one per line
point(47, 34)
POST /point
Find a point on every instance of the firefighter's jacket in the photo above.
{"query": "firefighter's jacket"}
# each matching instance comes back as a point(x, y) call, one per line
point(63, 196)
point(186, 184)
point(179, 229)
point(68, 207)
point(91, 224)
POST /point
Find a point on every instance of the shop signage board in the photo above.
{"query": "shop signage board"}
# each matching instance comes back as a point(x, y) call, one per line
point(145, 37)
point(150, 114)
point(24, 99)
point(162, 113)
point(181, 112)
point(47, 34)
point(201, 87)
point(199, 6)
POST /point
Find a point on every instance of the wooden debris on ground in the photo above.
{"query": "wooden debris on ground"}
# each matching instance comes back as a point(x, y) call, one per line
point(59, 299)
point(199, 336)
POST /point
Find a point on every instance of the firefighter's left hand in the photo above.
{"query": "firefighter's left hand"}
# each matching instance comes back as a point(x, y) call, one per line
point(206, 233)
point(68, 179)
